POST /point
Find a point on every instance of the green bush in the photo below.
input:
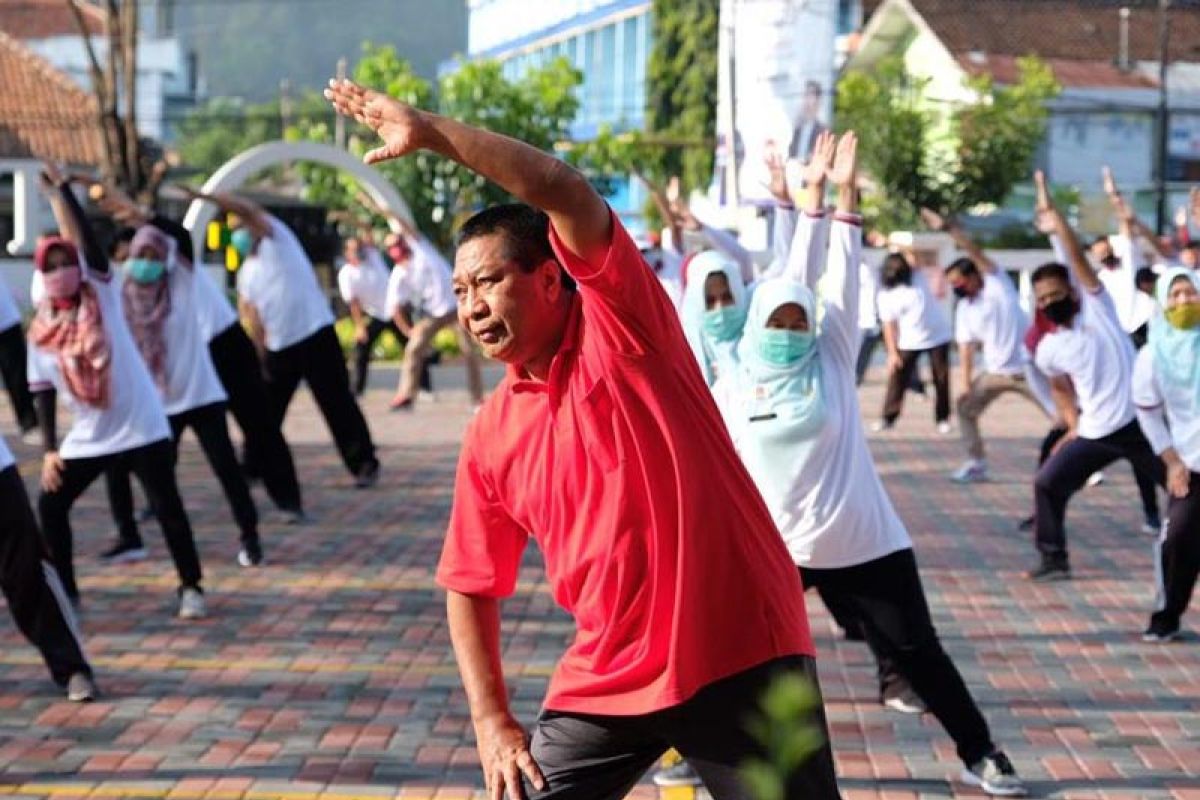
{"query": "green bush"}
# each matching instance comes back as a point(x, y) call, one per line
point(387, 347)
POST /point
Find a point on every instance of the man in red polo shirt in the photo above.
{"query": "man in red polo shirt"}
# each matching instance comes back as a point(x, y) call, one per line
point(604, 444)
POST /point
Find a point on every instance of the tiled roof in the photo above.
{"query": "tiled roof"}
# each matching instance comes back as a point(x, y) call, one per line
point(1070, 73)
point(43, 113)
point(1076, 30)
point(43, 19)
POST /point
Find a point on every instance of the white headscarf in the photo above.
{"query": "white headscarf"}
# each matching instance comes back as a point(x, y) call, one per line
point(1176, 352)
point(715, 358)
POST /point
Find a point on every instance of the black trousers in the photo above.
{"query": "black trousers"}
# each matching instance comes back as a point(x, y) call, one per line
point(12, 371)
point(362, 354)
point(318, 361)
point(1179, 557)
point(35, 596)
point(845, 614)
point(1067, 470)
point(208, 423)
point(266, 451)
point(600, 757)
point(889, 601)
point(902, 379)
point(154, 466)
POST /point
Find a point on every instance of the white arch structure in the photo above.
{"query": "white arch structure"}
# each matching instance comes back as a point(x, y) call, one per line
point(235, 172)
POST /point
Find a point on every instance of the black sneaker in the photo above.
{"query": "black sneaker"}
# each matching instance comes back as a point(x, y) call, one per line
point(250, 555)
point(1050, 570)
point(367, 476)
point(1161, 633)
point(996, 775)
point(124, 552)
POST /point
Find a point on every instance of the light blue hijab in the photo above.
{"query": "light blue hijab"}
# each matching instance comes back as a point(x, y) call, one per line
point(792, 393)
point(715, 358)
point(1176, 351)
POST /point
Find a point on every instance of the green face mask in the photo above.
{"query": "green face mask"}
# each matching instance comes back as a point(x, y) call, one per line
point(144, 270)
point(1184, 317)
point(724, 324)
point(783, 348)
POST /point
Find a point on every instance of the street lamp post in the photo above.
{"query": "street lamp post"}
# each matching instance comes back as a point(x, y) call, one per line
point(1160, 186)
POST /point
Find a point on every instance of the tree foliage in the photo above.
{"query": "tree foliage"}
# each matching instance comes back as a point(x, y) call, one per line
point(989, 147)
point(682, 89)
point(213, 133)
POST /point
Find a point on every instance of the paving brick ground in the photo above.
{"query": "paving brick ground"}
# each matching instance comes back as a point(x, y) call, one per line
point(328, 673)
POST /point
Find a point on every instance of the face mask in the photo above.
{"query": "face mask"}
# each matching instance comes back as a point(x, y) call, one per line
point(724, 324)
point(242, 240)
point(144, 270)
point(961, 292)
point(63, 282)
point(1061, 312)
point(1184, 316)
point(1112, 262)
point(782, 348)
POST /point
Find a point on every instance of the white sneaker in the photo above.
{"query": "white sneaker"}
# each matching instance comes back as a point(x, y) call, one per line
point(880, 425)
point(996, 776)
point(905, 702)
point(81, 688)
point(1095, 479)
point(1152, 527)
point(973, 471)
point(191, 604)
point(945, 428)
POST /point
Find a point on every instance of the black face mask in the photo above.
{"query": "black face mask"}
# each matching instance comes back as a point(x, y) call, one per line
point(961, 292)
point(1112, 262)
point(1061, 312)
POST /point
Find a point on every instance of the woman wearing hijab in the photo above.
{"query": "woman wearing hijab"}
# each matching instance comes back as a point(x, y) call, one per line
point(792, 411)
point(158, 296)
point(714, 311)
point(1166, 393)
point(82, 349)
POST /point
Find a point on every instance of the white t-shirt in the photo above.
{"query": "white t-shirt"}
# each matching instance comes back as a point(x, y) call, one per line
point(868, 289)
point(995, 320)
point(6, 456)
point(830, 507)
point(1154, 397)
point(213, 309)
point(192, 379)
point(423, 282)
point(37, 288)
point(921, 320)
point(1095, 353)
point(366, 282)
point(10, 314)
point(135, 416)
point(280, 282)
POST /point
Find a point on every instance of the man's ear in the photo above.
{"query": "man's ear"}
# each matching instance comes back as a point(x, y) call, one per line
point(550, 276)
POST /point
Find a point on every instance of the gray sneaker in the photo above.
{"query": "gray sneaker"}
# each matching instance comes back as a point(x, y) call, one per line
point(81, 688)
point(905, 702)
point(996, 776)
point(191, 603)
point(680, 774)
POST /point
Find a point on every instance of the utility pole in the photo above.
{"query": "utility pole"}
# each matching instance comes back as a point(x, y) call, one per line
point(285, 107)
point(1164, 118)
point(339, 124)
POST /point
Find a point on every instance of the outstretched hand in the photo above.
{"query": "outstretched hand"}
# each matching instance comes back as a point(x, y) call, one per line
point(815, 170)
point(1110, 184)
point(397, 124)
point(844, 167)
point(933, 220)
point(1044, 203)
point(776, 167)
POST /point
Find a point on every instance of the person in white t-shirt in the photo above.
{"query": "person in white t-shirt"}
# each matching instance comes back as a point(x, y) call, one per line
point(988, 320)
point(35, 595)
point(914, 324)
point(291, 324)
point(791, 407)
point(12, 362)
point(1119, 258)
point(1089, 361)
point(159, 294)
point(1166, 392)
point(82, 350)
point(420, 281)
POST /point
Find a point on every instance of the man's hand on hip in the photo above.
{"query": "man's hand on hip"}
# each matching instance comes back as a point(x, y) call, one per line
point(503, 747)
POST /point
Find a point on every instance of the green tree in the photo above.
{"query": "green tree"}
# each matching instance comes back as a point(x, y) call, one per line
point(223, 127)
point(537, 108)
point(682, 89)
point(985, 148)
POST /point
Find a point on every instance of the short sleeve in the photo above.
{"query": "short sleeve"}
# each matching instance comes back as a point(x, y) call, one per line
point(962, 325)
point(1047, 357)
point(624, 302)
point(483, 547)
point(346, 284)
point(1146, 393)
point(397, 291)
point(888, 305)
point(245, 281)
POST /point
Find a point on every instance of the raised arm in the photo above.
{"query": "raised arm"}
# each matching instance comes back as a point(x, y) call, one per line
point(663, 206)
point(73, 222)
point(845, 250)
point(810, 245)
point(936, 222)
point(252, 214)
point(579, 214)
point(1076, 260)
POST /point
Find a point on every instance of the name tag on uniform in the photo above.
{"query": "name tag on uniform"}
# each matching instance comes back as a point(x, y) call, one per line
point(764, 417)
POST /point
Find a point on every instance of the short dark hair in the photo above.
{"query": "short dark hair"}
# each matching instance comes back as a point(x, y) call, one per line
point(1051, 271)
point(896, 271)
point(1147, 275)
point(963, 266)
point(526, 232)
point(124, 235)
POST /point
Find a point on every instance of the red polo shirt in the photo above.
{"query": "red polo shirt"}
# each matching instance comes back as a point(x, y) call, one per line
point(654, 536)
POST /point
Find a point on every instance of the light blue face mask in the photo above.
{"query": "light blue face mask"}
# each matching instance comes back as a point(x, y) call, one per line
point(782, 348)
point(724, 324)
point(242, 241)
point(144, 270)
